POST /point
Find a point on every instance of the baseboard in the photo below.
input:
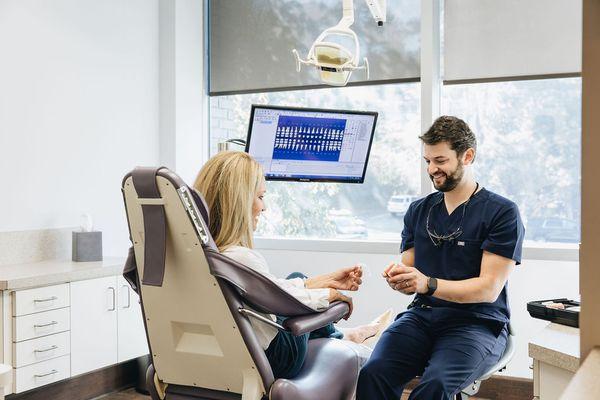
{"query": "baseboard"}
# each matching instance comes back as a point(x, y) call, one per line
point(86, 386)
point(498, 388)
point(120, 376)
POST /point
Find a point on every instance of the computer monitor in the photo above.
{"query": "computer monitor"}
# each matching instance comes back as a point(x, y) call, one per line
point(310, 144)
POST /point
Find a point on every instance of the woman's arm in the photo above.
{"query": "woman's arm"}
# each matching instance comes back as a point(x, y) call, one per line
point(316, 299)
point(349, 278)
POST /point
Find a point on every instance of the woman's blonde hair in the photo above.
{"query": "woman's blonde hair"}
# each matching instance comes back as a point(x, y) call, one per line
point(229, 182)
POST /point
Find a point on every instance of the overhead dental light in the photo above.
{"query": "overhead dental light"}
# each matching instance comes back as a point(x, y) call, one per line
point(333, 61)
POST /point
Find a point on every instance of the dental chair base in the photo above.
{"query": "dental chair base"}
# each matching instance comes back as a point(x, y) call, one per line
point(318, 379)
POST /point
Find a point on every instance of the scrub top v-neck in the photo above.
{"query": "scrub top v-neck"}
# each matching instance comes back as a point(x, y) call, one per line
point(491, 223)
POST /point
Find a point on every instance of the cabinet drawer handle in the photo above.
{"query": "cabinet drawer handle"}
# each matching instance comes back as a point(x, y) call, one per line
point(45, 325)
point(126, 287)
point(45, 350)
point(113, 307)
point(44, 300)
point(43, 375)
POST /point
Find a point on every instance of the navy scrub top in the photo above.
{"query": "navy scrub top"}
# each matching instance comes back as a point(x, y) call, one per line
point(491, 223)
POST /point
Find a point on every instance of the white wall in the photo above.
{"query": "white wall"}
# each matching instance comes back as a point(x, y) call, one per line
point(533, 280)
point(78, 109)
point(183, 110)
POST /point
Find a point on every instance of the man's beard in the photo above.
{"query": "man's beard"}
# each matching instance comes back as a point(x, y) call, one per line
point(451, 181)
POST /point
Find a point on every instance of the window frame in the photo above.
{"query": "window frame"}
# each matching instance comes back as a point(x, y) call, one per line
point(431, 87)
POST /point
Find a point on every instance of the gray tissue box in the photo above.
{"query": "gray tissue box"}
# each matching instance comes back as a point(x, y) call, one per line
point(87, 246)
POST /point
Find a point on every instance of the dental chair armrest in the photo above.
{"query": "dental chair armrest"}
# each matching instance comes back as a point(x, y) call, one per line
point(310, 322)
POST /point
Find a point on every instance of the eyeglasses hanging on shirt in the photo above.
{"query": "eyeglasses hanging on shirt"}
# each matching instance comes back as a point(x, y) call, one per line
point(435, 237)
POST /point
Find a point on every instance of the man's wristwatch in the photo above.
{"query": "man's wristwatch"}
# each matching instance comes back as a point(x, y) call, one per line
point(431, 286)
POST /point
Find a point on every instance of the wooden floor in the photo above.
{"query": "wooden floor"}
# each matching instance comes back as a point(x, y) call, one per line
point(131, 394)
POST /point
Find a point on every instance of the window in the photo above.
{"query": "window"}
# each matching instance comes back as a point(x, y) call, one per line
point(529, 139)
point(529, 131)
point(342, 211)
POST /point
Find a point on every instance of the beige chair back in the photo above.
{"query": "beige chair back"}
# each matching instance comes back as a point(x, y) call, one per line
point(193, 337)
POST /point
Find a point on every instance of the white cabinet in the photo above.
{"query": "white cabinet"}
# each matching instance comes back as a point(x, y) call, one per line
point(41, 349)
point(40, 324)
point(106, 324)
point(555, 353)
point(132, 341)
point(93, 324)
point(41, 373)
point(40, 299)
point(549, 381)
point(53, 332)
point(51, 320)
point(39, 336)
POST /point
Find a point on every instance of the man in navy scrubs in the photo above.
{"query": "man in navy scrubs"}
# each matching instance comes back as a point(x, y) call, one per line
point(459, 246)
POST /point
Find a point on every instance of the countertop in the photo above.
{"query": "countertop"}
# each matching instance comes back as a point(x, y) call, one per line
point(557, 345)
point(42, 273)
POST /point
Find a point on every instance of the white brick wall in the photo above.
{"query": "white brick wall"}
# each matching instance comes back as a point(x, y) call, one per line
point(228, 124)
point(226, 104)
point(218, 113)
point(222, 122)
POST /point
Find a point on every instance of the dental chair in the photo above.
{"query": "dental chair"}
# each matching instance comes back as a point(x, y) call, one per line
point(197, 304)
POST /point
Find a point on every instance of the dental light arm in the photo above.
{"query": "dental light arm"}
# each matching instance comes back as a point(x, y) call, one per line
point(378, 10)
point(333, 61)
point(347, 14)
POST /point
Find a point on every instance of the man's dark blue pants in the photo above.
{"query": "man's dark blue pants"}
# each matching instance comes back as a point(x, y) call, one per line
point(448, 353)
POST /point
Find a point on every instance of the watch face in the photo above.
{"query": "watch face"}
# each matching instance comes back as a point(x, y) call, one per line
point(431, 285)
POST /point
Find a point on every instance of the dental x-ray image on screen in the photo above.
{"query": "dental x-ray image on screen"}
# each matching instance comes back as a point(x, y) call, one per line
point(308, 144)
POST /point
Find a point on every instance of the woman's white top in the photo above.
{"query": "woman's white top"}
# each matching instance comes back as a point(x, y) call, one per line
point(316, 299)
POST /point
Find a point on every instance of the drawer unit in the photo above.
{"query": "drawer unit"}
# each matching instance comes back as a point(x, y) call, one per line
point(44, 348)
point(40, 324)
point(40, 299)
point(39, 339)
point(42, 373)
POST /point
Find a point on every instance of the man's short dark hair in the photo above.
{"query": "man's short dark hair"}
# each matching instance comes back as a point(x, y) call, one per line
point(452, 130)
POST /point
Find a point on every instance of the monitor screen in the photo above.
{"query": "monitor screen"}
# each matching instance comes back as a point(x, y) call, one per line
point(305, 144)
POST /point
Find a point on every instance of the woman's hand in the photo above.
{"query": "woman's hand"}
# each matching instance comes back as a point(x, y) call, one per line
point(349, 278)
point(405, 279)
point(334, 295)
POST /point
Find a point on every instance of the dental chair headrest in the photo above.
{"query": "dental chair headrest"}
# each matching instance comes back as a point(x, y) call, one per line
point(199, 202)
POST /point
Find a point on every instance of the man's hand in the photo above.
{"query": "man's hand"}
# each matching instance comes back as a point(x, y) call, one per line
point(484, 288)
point(334, 295)
point(405, 279)
point(349, 278)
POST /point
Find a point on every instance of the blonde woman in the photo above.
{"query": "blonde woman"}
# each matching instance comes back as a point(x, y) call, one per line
point(233, 186)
